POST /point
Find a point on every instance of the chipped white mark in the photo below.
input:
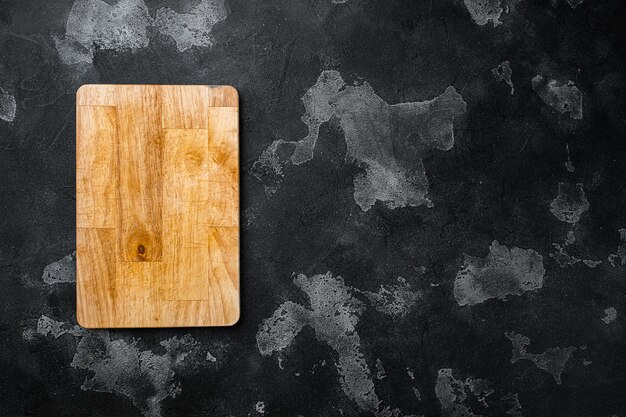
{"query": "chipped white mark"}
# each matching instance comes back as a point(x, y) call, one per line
point(396, 300)
point(371, 128)
point(380, 369)
point(417, 394)
point(610, 314)
point(483, 11)
point(210, 357)
point(501, 273)
point(504, 73)
point(8, 106)
point(574, 3)
point(61, 271)
point(260, 407)
point(333, 314)
point(568, 164)
point(339, 1)
point(125, 25)
point(410, 373)
point(570, 203)
point(552, 360)
point(563, 97)
point(470, 397)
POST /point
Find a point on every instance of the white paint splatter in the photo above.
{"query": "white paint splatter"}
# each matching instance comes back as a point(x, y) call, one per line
point(504, 73)
point(570, 203)
point(552, 360)
point(483, 11)
point(501, 273)
point(210, 357)
point(610, 314)
point(333, 314)
point(563, 97)
point(260, 407)
point(61, 271)
point(125, 25)
point(8, 106)
point(372, 130)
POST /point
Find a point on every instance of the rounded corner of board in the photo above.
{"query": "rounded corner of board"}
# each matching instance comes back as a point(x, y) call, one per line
point(224, 96)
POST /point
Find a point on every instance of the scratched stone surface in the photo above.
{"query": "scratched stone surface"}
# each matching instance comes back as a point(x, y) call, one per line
point(433, 208)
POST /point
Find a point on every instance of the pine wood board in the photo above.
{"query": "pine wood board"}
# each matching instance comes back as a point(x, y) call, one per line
point(157, 206)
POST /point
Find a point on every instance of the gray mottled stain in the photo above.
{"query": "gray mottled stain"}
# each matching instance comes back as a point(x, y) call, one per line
point(610, 314)
point(395, 300)
point(61, 271)
point(125, 25)
point(193, 28)
point(565, 259)
point(50, 327)
point(563, 97)
point(483, 11)
point(501, 273)
point(618, 258)
point(503, 72)
point(570, 202)
point(471, 397)
point(8, 106)
point(370, 126)
point(621, 250)
point(552, 360)
point(333, 314)
point(121, 367)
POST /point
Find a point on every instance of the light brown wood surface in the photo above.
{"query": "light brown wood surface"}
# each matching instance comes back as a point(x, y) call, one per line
point(157, 206)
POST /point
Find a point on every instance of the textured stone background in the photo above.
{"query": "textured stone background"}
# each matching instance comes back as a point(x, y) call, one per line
point(433, 208)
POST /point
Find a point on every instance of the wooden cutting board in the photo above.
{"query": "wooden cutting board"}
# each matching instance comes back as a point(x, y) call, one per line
point(157, 206)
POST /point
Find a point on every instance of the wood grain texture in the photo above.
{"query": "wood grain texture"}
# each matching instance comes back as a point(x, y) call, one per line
point(157, 206)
